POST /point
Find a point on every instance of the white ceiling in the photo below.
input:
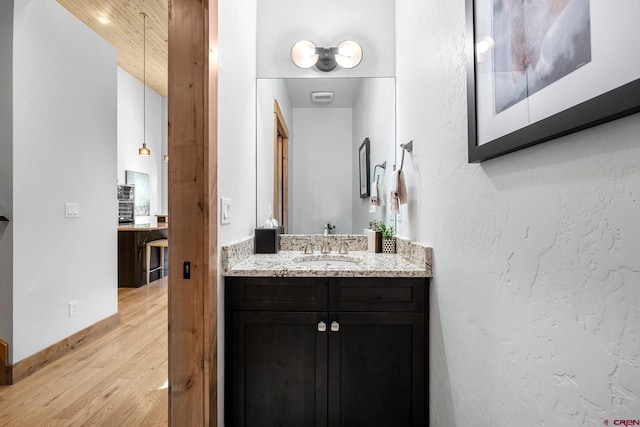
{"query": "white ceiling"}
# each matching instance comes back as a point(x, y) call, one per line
point(345, 91)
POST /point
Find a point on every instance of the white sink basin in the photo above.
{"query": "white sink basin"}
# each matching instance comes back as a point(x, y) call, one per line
point(316, 261)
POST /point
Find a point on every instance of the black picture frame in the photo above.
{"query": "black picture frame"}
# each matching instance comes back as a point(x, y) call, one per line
point(363, 162)
point(619, 102)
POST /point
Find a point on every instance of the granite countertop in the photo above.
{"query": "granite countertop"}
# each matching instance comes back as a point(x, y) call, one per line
point(287, 264)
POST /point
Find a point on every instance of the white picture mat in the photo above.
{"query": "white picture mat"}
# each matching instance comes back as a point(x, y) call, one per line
point(615, 34)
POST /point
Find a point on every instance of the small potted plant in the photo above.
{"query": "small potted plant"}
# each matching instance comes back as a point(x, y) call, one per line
point(329, 228)
point(388, 238)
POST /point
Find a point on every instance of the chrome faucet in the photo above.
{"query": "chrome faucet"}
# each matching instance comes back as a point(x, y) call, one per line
point(344, 246)
point(308, 248)
point(308, 245)
point(325, 243)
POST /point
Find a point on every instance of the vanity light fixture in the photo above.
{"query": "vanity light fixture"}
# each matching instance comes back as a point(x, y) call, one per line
point(305, 54)
point(144, 151)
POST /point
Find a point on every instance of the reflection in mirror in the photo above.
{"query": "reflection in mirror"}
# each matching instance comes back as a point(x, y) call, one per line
point(309, 132)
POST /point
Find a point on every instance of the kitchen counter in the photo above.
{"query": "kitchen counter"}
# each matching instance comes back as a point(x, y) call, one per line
point(287, 264)
point(132, 240)
point(143, 227)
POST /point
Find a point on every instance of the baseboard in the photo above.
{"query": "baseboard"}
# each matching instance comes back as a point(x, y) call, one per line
point(36, 361)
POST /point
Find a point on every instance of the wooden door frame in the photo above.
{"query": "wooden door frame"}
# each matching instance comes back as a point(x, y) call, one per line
point(281, 161)
point(193, 233)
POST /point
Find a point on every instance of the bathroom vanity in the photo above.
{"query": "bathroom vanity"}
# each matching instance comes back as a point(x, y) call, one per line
point(326, 340)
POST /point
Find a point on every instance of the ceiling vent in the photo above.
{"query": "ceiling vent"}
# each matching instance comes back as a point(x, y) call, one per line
point(321, 97)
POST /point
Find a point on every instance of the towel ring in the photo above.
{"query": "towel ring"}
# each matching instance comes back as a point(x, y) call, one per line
point(405, 147)
point(382, 165)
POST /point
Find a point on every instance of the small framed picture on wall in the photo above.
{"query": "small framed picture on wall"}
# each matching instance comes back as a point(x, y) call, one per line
point(364, 168)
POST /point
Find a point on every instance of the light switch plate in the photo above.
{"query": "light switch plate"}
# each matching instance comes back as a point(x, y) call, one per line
point(225, 210)
point(72, 210)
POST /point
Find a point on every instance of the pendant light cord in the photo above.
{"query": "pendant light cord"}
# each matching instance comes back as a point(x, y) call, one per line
point(144, 78)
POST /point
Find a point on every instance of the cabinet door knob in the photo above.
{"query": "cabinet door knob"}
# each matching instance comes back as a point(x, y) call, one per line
point(335, 326)
point(322, 327)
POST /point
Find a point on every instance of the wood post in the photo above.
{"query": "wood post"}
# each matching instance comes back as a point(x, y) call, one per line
point(192, 102)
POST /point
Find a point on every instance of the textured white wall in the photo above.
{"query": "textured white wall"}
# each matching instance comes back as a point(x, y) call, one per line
point(321, 158)
point(374, 117)
point(236, 138)
point(281, 23)
point(130, 136)
point(237, 117)
point(63, 151)
point(6, 170)
point(534, 311)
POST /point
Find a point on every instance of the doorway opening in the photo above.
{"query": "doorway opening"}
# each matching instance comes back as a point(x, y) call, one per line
point(280, 168)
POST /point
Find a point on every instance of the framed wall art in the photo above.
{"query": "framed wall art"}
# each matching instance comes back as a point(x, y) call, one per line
point(142, 205)
point(540, 70)
point(363, 155)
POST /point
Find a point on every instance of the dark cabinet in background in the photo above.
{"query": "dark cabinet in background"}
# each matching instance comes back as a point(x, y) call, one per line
point(325, 352)
point(131, 257)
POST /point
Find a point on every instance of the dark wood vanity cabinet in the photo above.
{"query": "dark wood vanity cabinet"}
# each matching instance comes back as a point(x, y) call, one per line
point(325, 352)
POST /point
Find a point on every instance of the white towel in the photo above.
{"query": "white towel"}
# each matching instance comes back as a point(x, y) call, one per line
point(374, 201)
point(398, 191)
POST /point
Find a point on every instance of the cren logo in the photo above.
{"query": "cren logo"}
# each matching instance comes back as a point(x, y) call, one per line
point(624, 422)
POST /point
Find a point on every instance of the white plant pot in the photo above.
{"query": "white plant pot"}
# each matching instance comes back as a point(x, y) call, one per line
point(389, 246)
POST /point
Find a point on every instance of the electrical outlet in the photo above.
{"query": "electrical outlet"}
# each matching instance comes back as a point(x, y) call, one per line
point(74, 308)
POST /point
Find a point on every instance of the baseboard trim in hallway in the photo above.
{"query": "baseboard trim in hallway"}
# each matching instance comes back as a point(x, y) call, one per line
point(31, 364)
point(117, 379)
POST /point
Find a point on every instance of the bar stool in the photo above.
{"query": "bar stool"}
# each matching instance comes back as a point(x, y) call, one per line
point(161, 243)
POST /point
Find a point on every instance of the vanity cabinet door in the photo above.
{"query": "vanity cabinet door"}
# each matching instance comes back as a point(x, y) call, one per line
point(279, 369)
point(322, 352)
point(376, 370)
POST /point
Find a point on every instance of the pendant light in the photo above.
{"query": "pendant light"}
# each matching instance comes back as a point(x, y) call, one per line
point(144, 151)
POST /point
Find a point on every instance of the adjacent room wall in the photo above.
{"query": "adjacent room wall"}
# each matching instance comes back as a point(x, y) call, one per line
point(324, 188)
point(130, 136)
point(164, 172)
point(64, 124)
point(534, 304)
point(6, 170)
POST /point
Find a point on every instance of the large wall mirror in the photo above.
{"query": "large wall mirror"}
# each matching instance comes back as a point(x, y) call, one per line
point(309, 132)
point(307, 154)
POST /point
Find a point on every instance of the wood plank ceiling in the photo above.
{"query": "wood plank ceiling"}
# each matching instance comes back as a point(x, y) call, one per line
point(125, 32)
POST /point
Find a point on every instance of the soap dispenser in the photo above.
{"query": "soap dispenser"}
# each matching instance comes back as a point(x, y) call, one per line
point(271, 222)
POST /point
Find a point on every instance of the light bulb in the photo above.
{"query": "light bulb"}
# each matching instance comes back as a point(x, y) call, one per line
point(349, 54)
point(303, 54)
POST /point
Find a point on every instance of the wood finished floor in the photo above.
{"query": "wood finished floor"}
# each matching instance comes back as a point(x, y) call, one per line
point(120, 379)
